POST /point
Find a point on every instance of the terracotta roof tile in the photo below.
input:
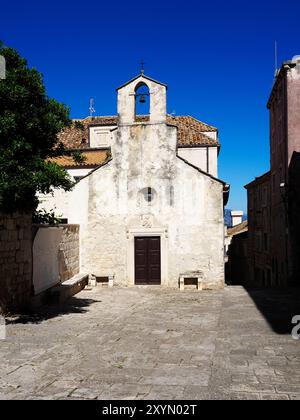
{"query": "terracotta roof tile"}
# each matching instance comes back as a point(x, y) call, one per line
point(191, 132)
point(242, 227)
point(78, 138)
point(191, 123)
point(93, 158)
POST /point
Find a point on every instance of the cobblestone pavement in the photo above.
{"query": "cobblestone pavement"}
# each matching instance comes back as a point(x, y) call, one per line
point(153, 343)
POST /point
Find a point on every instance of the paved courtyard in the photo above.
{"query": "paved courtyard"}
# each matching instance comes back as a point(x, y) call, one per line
point(153, 343)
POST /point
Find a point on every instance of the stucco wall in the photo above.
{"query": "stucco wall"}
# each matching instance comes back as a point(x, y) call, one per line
point(213, 161)
point(55, 255)
point(79, 172)
point(205, 158)
point(15, 261)
point(59, 202)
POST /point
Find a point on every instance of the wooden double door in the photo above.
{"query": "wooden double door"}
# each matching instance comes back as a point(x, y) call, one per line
point(147, 260)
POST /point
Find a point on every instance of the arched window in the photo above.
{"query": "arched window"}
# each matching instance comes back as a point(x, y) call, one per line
point(171, 191)
point(142, 100)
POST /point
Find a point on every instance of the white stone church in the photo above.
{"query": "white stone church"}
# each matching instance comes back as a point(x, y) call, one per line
point(147, 197)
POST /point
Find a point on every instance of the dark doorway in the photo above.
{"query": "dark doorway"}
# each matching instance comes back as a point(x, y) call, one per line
point(147, 260)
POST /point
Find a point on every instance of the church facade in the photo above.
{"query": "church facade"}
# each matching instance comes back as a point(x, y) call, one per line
point(147, 198)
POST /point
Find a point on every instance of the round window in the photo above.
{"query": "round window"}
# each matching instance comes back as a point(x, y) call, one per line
point(148, 194)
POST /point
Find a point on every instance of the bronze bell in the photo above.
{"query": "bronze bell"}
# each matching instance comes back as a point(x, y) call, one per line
point(142, 99)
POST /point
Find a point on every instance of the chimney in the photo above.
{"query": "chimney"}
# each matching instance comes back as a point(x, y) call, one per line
point(236, 217)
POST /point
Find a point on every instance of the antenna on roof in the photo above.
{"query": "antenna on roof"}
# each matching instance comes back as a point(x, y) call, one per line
point(276, 58)
point(91, 108)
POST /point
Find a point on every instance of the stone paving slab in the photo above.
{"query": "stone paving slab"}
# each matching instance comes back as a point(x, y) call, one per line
point(154, 343)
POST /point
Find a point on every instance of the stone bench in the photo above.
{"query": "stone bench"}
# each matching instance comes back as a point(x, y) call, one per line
point(60, 292)
point(69, 288)
point(196, 276)
point(101, 278)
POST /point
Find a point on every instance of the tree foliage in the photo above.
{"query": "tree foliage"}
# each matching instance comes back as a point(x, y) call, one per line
point(29, 124)
point(44, 217)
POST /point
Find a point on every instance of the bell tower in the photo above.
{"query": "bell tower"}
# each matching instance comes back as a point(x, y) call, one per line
point(140, 90)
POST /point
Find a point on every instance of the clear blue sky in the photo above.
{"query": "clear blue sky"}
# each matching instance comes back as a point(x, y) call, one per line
point(217, 58)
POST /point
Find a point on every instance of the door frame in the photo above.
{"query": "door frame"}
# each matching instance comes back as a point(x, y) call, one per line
point(146, 238)
point(138, 232)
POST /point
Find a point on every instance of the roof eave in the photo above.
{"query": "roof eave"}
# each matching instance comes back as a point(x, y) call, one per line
point(197, 145)
point(257, 180)
point(143, 76)
point(94, 169)
point(204, 173)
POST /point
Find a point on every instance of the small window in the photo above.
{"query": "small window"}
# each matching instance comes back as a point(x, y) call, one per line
point(148, 194)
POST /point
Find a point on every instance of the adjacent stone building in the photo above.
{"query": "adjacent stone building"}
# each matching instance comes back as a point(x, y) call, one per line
point(237, 265)
point(273, 199)
point(148, 199)
point(259, 232)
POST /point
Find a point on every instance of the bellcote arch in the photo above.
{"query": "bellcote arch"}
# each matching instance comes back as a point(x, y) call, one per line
point(127, 100)
point(142, 98)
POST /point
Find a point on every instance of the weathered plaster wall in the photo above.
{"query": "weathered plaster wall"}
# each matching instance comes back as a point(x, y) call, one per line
point(55, 255)
point(15, 261)
point(187, 209)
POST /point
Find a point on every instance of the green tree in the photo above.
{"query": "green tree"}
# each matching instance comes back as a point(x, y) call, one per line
point(29, 124)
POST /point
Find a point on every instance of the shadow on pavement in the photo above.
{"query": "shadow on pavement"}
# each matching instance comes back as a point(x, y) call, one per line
point(278, 306)
point(73, 305)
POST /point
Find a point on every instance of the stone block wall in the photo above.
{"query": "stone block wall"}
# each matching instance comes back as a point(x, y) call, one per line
point(15, 261)
point(68, 254)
